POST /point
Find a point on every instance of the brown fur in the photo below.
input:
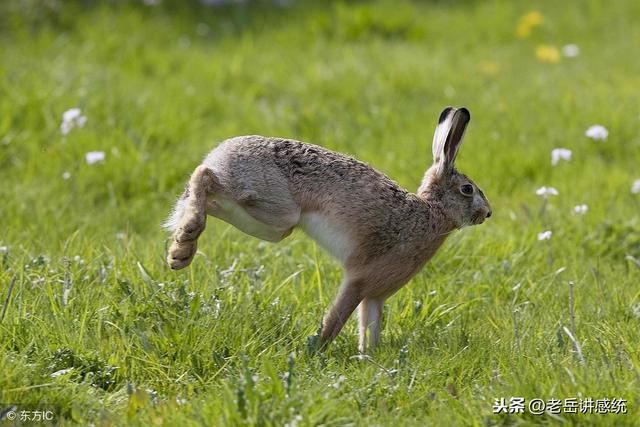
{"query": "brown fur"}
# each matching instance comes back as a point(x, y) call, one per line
point(382, 234)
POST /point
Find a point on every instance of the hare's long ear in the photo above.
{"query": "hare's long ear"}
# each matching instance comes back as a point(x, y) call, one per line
point(448, 137)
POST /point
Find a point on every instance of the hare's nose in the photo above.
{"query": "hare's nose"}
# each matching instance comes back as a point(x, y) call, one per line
point(489, 214)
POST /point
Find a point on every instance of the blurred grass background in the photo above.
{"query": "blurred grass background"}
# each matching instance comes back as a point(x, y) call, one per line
point(224, 342)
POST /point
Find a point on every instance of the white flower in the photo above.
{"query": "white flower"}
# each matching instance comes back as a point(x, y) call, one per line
point(545, 235)
point(66, 175)
point(151, 2)
point(597, 133)
point(546, 192)
point(94, 157)
point(71, 114)
point(570, 50)
point(61, 372)
point(294, 422)
point(70, 119)
point(340, 380)
point(581, 209)
point(558, 154)
point(635, 187)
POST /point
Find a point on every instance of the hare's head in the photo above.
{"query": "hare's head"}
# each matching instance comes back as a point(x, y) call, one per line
point(463, 201)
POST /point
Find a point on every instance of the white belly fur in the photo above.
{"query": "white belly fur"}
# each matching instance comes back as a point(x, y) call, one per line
point(331, 237)
point(235, 215)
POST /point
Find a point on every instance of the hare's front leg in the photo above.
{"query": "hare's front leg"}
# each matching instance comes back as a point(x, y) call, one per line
point(202, 183)
point(370, 313)
point(345, 303)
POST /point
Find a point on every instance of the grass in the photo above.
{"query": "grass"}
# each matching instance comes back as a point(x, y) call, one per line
point(224, 342)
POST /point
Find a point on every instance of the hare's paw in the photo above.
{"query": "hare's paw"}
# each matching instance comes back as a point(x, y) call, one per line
point(185, 241)
point(181, 254)
point(190, 229)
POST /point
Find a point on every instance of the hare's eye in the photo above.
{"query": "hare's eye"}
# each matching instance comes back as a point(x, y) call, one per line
point(466, 189)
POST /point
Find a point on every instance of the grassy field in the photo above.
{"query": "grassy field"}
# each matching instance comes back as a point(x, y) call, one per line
point(100, 330)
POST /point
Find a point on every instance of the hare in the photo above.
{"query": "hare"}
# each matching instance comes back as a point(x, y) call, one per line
point(380, 233)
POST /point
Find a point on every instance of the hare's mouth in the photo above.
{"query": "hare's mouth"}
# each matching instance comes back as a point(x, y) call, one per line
point(478, 219)
point(481, 216)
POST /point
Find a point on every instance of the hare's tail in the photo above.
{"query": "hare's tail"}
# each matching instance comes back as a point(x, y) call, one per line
point(171, 223)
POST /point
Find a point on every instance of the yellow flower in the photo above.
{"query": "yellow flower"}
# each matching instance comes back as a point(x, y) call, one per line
point(547, 53)
point(489, 67)
point(527, 22)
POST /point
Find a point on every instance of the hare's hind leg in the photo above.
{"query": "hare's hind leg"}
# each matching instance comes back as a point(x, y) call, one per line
point(370, 313)
point(202, 183)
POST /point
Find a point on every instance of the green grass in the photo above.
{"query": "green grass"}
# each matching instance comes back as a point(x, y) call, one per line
point(224, 342)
